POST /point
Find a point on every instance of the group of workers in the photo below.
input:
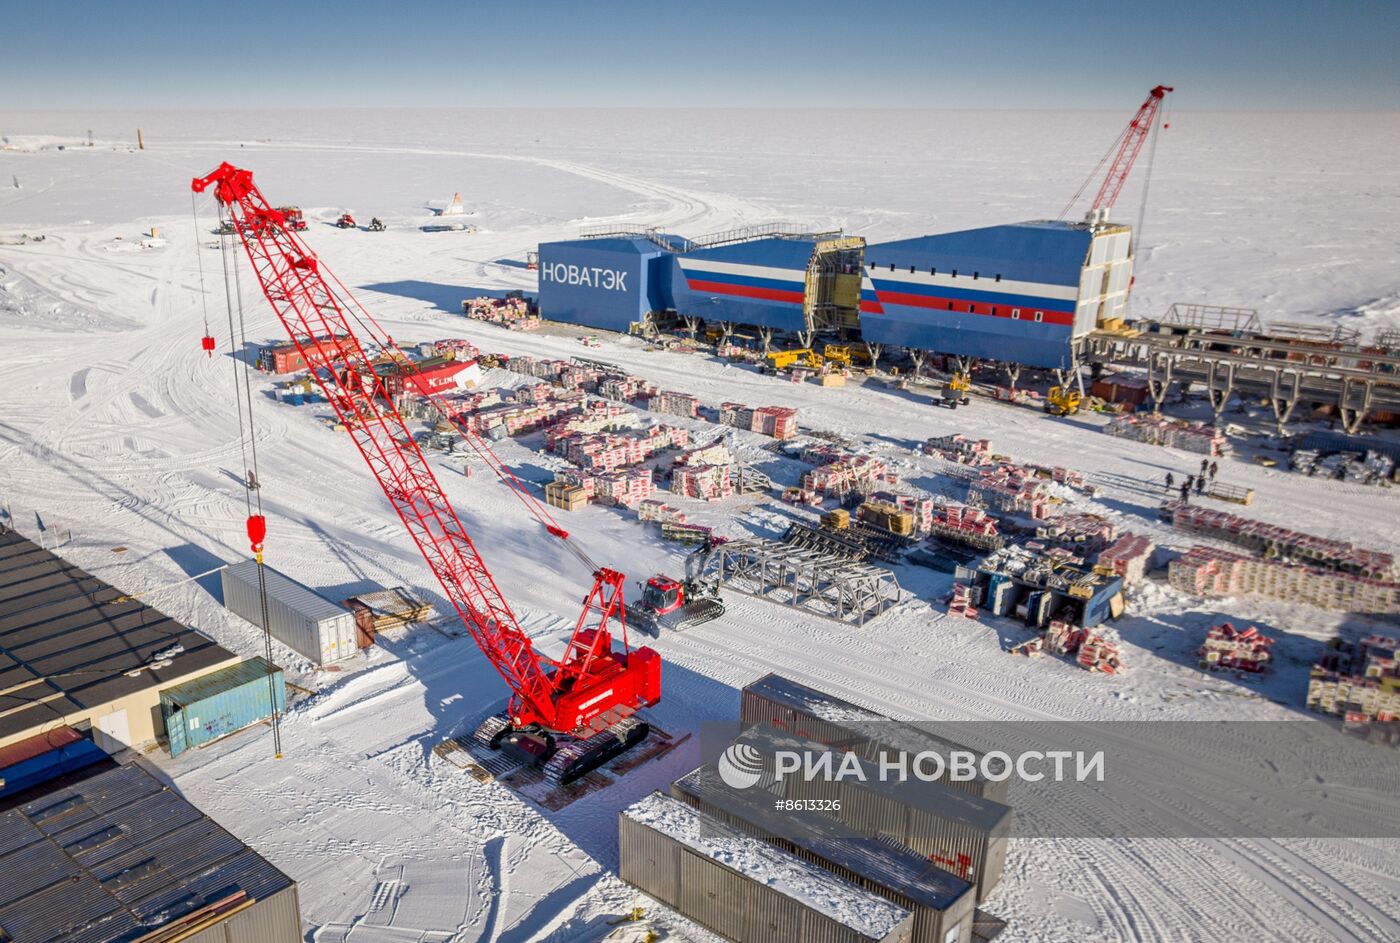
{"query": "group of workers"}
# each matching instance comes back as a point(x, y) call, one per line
point(1197, 482)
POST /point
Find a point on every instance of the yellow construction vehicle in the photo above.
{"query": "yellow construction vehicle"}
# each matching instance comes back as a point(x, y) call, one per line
point(955, 390)
point(844, 355)
point(1062, 401)
point(783, 359)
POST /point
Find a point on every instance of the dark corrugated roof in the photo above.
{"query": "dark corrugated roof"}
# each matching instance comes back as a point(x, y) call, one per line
point(66, 642)
point(774, 252)
point(123, 853)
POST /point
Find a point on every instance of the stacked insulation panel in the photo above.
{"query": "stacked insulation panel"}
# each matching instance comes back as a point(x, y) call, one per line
point(862, 473)
point(1129, 557)
point(1206, 571)
point(1360, 682)
point(1235, 649)
point(674, 404)
point(706, 482)
point(626, 389)
point(1173, 433)
point(1010, 490)
point(780, 422)
point(1280, 542)
point(654, 509)
point(735, 414)
point(1062, 638)
point(458, 348)
point(967, 525)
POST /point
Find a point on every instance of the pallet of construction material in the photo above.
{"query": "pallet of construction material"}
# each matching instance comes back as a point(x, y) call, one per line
point(1369, 698)
point(1207, 571)
point(735, 414)
point(1229, 648)
point(1236, 494)
point(959, 449)
point(687, 533)
point(1279, 542)
point(654, 509)
point(1008, 394)
point(961, 602)
point(780, 422)
point(1031, 648)
point(392, 607)
point(1102, 651)
point(1129, 556)
point(565, 496)
point(1173, 433)
point(716, 453)
point(673, 403)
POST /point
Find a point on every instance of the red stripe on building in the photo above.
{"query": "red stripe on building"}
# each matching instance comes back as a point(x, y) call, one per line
point(961, 306)
point(746, 291)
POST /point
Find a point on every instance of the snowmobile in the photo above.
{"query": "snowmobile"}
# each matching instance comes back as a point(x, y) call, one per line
point(376, 224)
point(346, 221)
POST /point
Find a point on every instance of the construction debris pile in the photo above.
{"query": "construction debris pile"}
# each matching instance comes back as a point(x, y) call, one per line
point(513, 312)
point(1206, 571)
point(1063, 638)
point(780, 422)
point(1279, 542)
point(1229, 648)
point(1367, 468)
point(1173, 433)
point(1359, 682)
point(1130, 557)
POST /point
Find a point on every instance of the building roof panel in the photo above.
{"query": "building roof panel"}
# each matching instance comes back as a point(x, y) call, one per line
point(1046, 251)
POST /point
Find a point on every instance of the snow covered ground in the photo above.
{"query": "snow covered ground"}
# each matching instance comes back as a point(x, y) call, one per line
point(116, 426)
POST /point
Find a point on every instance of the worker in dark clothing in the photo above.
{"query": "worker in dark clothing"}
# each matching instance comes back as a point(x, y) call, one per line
point(1214, 468)
point(1171, 481)
point(1186, 492)
point(1201, 485)
point(1205, 463)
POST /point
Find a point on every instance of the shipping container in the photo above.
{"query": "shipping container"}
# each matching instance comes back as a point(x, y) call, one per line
point(306, 622)
point(1021, 293)
point(795, 708)
point(957, 831)
point(609, 283)
point(222, 702)
point(740, 886)
point(942, 904)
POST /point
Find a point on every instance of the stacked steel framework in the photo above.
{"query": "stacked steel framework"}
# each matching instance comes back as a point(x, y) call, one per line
point(829, 584)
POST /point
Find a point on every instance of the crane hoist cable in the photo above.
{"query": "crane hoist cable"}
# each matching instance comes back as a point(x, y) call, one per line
point(247, 443)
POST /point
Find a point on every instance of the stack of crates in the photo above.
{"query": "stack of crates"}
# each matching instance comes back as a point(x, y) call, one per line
point(1206, 571)
point(1360, 682)
point(654, 509)
point(1280, 542)
point(565, 496)
point(1062, 638)
point(887, 516)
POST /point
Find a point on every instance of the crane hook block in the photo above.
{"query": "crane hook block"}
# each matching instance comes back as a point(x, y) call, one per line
point(257, 531)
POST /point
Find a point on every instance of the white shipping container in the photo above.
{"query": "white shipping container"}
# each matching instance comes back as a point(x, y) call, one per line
point(306, 622)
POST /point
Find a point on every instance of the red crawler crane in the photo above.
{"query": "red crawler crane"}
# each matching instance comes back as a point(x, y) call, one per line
point(568, 715)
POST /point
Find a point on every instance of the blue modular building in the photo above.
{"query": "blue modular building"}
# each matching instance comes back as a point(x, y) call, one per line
point(607, 283)
point(762, 282)
point(1021, 293)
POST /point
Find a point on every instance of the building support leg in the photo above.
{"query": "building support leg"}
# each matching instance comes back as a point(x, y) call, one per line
point(765, 334)
point(918, 356)
point(1284, 400)
point(692, 325)
point(874, 350)
point(1013, 373)
point(804, 338)
point(1159, 378)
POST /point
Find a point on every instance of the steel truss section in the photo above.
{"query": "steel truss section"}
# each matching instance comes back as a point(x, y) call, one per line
point(828, 584)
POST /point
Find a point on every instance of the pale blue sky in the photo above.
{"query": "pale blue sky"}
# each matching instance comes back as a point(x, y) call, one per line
point(1220, 54)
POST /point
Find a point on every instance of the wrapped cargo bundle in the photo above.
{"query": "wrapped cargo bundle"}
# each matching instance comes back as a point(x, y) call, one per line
point(1102, 651)
point(1235, 649)
point(1279, 542)
point(1173, 433)
point(1206, 571)
point(1129, 557)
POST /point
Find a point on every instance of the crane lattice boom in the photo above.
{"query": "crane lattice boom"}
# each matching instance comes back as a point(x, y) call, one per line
point(1129, 147)
point(587, 689)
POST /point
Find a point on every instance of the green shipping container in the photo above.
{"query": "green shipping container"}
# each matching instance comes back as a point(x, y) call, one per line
point(222, 702)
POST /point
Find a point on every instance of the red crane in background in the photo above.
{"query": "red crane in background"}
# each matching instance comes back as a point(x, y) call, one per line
point(1124, 153)
point(568, 714)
